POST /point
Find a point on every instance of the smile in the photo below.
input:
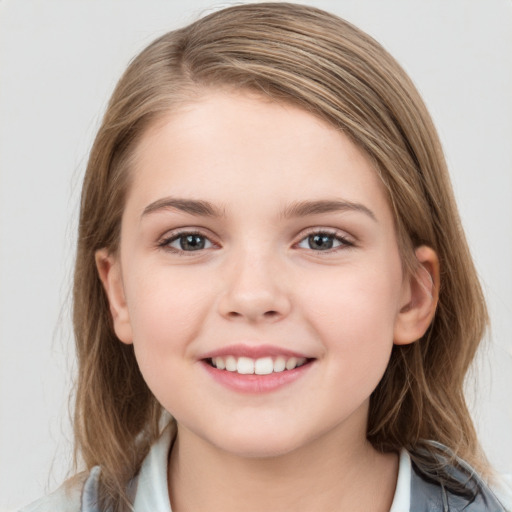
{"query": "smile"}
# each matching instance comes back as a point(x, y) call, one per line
point(256, 369)
point(260, 366)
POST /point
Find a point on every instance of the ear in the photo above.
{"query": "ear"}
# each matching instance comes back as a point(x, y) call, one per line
point(420, 296)
point(109, 270)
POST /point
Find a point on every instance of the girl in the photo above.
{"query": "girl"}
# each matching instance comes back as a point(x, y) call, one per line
point(274, 304)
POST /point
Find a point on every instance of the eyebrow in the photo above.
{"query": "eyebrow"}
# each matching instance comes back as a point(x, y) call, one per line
point(305, 208)
point(298, 209)
point(191, 206)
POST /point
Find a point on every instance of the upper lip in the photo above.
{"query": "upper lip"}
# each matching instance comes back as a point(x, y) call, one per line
point(252, 351)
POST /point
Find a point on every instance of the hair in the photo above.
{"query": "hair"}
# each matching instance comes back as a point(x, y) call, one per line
point(314, 60)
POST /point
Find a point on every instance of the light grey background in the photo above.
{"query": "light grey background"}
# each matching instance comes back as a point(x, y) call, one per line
point(59, 61)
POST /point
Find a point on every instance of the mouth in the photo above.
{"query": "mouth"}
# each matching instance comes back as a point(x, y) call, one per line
point(261, 366)
point(268, 370)
point(256, 368)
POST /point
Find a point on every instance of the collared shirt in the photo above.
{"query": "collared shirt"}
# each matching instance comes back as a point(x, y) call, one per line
point(150, 490)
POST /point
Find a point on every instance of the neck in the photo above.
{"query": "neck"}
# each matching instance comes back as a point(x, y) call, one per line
point(316, 477)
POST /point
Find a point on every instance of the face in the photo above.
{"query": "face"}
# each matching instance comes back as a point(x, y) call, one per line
point(258, 276)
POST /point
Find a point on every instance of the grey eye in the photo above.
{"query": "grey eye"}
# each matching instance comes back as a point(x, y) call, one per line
point(322, 242)
point(190, 242)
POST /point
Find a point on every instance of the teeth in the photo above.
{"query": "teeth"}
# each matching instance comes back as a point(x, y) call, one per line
point(231, 364)
point(261, 366)
point(291, 363)
point(245, 365)
point(279, 364)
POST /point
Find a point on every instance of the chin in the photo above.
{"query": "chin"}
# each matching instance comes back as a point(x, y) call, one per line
point(263, 450)
point(260, 443)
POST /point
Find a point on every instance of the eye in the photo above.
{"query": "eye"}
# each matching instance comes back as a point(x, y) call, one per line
point(187, 242)
point(323, 241)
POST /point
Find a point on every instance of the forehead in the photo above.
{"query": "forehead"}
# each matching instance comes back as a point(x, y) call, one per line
point(237, 147)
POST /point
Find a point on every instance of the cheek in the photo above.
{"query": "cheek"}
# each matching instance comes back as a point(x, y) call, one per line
point(354, 312)
point(165, 314)
point(355, 298)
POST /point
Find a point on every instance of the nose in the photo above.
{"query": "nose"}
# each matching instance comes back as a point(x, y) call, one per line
point(254, 291)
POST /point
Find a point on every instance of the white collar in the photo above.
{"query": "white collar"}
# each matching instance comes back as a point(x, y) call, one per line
point(402, 499)
point(152, 491)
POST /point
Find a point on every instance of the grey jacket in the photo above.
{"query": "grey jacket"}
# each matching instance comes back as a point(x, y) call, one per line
point(432, 495)
point(459, 489)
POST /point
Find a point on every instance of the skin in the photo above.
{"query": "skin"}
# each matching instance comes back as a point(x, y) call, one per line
point(259, 280)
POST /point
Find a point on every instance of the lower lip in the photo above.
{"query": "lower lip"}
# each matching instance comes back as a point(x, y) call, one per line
point(256, 384)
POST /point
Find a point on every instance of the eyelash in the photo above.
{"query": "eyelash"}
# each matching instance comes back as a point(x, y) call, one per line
point(336, 236)
point(165, 243)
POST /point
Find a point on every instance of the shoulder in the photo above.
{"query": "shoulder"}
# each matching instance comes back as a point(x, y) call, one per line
point(452, 487)
point(502, 487)
point(80, 493)
point(67, 498)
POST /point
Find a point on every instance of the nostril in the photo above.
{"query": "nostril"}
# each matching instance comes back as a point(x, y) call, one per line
point(271, 314)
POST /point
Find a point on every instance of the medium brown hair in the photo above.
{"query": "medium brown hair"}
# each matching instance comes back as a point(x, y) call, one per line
point(317, 61)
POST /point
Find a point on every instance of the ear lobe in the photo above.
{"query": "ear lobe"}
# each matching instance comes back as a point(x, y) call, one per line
point(421, 294)
point(109, 270)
